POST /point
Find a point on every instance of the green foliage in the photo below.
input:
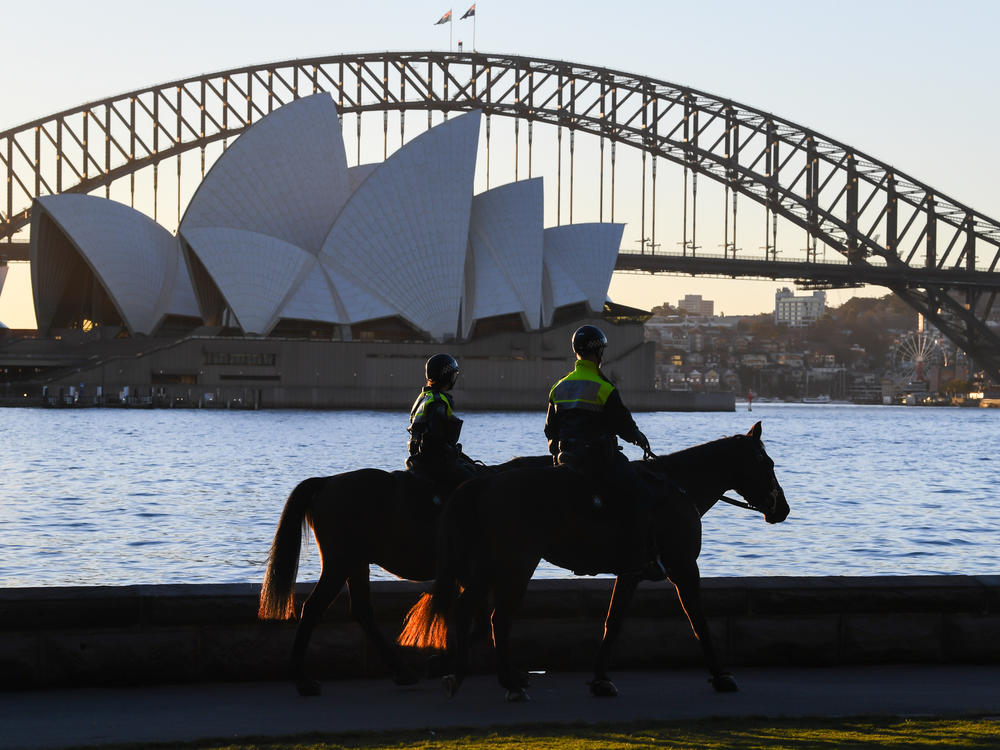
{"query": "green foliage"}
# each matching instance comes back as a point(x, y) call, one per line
point(957, 387)
point(869, 323)
point(664, 309)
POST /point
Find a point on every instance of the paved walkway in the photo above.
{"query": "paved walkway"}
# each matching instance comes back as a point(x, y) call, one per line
point(62, 718)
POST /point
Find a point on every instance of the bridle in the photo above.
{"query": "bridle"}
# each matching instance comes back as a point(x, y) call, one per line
point(772, 496)
point(647, 454)
point(740, 503)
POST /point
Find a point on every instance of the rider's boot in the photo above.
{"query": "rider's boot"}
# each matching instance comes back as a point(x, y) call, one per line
point(652, 570)
point(645, 561)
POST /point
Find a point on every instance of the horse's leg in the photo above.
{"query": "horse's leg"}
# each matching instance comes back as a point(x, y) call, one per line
point(458, 636)
point(621, 597)
point(687, 580)
point(331, 581)
point(507, 597)
point(359, 586)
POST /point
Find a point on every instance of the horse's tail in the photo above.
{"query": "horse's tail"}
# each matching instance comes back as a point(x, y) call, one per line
point(426, 625)
point(423, 627)
point(277, 594)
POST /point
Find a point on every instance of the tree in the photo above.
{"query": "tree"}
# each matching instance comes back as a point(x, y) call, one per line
point(957, 387)
point(664, 310)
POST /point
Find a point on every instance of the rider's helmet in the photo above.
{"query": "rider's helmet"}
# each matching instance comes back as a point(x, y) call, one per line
point(441, 371)
point(589, 341)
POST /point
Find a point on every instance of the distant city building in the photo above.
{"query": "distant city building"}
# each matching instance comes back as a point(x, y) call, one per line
point(695, 305)
point(798, 312)
point(677, 381)
point(790, 359)
point(753, 359)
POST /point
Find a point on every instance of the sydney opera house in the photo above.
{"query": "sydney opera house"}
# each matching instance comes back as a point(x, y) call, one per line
point(296, 280)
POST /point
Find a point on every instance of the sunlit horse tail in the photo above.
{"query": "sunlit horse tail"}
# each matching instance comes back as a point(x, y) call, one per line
point(426, 625)
point(277, 594)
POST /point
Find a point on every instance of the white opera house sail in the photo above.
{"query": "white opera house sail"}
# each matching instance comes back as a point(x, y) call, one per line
point(281, 235)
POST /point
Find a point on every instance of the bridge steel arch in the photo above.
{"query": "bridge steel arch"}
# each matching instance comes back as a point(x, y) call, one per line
point(939, 255)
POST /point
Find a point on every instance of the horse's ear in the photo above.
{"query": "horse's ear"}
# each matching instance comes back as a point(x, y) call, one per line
point(755, 431)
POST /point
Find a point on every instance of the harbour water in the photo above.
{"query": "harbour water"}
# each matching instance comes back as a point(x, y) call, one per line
point(112, 497)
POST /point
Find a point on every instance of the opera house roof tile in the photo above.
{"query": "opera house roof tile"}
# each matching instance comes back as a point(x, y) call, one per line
point(256, 273)
point(314, 298)
point(360, 301)
point(286, 177)
point(126, 250)
point(358, 174)
point(579, 261)
point(505, 239)
point(407, 225)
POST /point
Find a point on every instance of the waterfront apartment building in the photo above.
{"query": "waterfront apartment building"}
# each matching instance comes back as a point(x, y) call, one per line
point(693, 304)
point(798, 312)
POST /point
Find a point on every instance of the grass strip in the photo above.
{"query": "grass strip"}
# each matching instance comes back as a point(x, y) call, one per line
point(703, 734)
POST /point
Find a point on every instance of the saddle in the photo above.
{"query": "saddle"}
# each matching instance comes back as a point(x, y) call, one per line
point(428, 495)
point(437, 485)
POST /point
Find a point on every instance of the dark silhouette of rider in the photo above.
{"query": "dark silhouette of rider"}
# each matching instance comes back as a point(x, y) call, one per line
point(585, 414)
point(435, 452)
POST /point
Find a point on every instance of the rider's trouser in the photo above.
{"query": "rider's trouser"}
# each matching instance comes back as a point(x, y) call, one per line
point(618, 481)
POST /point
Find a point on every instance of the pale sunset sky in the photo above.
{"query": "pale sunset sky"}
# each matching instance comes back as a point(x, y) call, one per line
point(909, 82)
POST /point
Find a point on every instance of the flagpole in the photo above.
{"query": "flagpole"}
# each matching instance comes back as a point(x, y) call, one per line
point(451, 26)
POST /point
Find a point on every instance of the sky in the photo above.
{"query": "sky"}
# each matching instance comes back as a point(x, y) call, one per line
point(910, 82)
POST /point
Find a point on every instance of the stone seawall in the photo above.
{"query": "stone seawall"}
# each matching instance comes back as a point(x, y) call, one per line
point(186, 633)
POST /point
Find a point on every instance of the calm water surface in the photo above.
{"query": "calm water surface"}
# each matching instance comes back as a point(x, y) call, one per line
point(111, 497)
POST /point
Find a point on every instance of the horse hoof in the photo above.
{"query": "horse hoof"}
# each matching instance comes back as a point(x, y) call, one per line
point(604, 688)
point(518, 695)
point(724, 683)
point(449, 684)
point(405, 678)
point(308, 688)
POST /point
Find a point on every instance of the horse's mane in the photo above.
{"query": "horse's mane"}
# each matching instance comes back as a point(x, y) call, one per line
point(697, 455)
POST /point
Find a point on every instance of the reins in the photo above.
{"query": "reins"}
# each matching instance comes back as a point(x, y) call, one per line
point(739, 503)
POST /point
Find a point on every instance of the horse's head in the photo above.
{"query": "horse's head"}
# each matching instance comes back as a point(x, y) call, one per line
point(756, 481)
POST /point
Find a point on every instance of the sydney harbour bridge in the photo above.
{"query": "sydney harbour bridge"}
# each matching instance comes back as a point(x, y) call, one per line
point(856, 220)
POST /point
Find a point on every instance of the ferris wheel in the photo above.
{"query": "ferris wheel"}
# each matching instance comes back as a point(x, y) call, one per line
point(916, 352)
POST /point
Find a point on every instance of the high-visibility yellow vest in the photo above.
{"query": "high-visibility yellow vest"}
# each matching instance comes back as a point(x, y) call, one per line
point(424, 400)
point(584, 388)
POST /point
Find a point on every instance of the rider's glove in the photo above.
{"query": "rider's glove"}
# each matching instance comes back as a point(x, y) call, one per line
point(643, 443)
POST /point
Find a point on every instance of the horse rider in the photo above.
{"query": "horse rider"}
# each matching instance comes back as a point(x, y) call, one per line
point(585, 414)
point(434, 429)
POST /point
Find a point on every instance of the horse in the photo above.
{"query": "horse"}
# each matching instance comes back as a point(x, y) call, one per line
point(495, 530)
point(358, 518)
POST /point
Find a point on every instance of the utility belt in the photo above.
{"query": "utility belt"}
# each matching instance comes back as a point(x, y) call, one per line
point(445, 439)
point(447, 451)
point(584, 453)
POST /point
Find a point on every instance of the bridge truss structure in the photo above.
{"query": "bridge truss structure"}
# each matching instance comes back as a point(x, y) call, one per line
point(887, 228)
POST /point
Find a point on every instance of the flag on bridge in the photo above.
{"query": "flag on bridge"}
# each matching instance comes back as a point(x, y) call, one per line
point(444, 19)
point(470, 12)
